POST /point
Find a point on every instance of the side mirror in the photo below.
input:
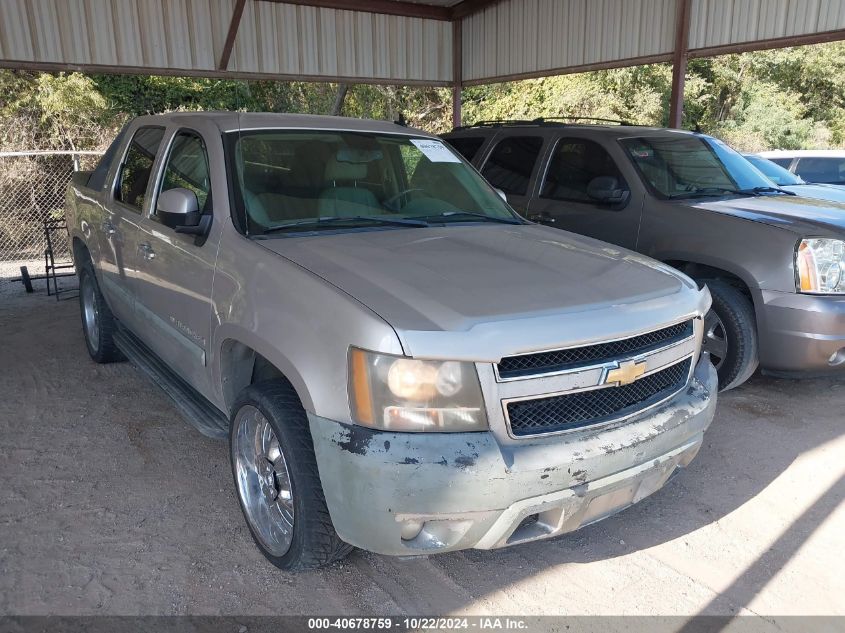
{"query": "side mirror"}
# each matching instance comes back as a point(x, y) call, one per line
point(606, 189)
point(502, 194)
point(178, 207)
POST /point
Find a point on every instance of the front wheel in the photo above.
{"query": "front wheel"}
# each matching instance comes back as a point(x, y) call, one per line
point(277, 481)
point(730, 334)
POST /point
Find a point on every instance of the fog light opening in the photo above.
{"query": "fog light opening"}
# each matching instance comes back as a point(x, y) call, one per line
point(538, 525)
point(837, 358)
point(432, 534)
point(411, 529)
point(531, 519)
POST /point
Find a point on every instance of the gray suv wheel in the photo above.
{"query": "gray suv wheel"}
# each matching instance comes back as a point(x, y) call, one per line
point(98, 322)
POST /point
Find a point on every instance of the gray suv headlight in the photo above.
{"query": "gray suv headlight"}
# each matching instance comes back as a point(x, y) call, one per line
point(395, 393)
point(820, 266)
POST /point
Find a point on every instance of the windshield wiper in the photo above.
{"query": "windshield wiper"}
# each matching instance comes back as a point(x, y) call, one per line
point(759, 190)
point(701, 192)
point(338, 220)
point(471, 214)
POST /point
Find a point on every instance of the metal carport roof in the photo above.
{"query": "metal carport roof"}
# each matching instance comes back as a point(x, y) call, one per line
point(430, 42)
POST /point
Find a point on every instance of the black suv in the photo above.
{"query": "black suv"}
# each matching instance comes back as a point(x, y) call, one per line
point(774, 262)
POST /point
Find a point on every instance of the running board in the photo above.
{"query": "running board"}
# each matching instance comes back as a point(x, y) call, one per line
point(195, 408)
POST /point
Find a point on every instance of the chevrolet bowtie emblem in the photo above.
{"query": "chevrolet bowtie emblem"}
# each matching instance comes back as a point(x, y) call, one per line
point(626, 373)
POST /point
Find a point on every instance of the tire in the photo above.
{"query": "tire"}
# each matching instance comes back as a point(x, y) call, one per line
point(26, 280)
point(730, 334)
point(293, 528)
point(98, 322)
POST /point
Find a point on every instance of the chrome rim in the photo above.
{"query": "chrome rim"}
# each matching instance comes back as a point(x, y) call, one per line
point(263, 480)
point(90, 313)
point(715, 338)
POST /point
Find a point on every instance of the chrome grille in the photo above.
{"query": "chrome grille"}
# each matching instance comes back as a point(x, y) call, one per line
point(528, 365)
point(571, 411)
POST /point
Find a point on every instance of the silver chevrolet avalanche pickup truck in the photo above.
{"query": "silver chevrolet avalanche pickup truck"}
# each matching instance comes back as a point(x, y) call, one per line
point(400, 362)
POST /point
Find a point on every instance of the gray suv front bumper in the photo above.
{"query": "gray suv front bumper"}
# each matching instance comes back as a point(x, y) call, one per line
point(445, 492)
point(801, 334)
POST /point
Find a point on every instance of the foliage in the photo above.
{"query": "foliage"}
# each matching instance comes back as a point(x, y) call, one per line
point(63, 111)
point(788, 98)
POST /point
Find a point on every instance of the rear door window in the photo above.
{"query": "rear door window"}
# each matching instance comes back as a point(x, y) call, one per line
point(511, 163)
point(100, 173)
point(826, 170)
point(134, 176)
point(467, 146)
point(574, 164)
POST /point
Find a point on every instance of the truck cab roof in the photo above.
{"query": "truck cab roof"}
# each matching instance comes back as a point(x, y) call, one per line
point(234, 121)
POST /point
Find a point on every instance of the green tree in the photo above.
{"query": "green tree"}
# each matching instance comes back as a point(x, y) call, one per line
point(52, 111)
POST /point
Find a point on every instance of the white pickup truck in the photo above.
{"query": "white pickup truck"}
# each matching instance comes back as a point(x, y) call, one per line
point(400, 362)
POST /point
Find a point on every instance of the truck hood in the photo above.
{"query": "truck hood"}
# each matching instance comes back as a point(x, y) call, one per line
point(803, 215)
point(495, 279)
point(833, 193)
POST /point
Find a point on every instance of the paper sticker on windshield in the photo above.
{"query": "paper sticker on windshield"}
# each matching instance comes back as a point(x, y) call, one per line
point(435, 151)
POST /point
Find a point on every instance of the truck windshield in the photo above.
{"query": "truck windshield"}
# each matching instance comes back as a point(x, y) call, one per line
point(302, 181)
point(694, 166)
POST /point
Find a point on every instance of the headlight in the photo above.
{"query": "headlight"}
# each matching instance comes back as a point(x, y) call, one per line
point(402, 394)
point(820, 266)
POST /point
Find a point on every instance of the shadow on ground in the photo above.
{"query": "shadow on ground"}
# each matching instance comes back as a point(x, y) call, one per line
point(112, 504)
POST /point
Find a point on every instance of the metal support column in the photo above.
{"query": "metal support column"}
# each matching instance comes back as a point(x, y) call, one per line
point(679, 63)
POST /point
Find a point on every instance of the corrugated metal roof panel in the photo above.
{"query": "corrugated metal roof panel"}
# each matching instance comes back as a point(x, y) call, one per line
point(348, 44)
point(718, 22)
point(509, 38)
point(166, 34)
point(529, 36)
point(188, 35)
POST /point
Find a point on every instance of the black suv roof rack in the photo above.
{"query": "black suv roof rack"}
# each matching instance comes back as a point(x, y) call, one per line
point(541, 121)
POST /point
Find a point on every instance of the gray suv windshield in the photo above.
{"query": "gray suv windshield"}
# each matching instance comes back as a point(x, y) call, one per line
point(689, 166)
point(294, 181)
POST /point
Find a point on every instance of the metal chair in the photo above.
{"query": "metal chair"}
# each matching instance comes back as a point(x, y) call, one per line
point(51, 268)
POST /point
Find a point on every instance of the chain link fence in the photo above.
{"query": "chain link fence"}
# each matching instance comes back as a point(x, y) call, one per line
point(32, 190)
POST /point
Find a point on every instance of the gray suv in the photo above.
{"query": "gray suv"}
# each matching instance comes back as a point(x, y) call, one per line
point(398, 360)
point(774, 261)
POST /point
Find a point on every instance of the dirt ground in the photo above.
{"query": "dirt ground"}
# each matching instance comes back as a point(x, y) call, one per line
point(111, 504)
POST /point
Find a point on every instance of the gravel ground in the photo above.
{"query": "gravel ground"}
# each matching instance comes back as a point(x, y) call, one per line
point(111, 504)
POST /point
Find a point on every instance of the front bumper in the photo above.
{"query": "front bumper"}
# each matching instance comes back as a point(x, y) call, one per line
point(446, 492)
point(801, 333)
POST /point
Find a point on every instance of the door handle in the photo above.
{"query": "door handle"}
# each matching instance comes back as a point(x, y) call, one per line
point(108, 228)
point(147, 251)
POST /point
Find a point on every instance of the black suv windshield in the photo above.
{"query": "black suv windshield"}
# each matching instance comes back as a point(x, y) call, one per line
point(303, 181)
point(689, 166)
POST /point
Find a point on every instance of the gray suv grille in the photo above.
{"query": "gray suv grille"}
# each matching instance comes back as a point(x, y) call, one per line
point(528, 365)
point(572, 411)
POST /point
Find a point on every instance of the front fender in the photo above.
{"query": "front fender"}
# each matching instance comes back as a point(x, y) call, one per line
point(296, 320)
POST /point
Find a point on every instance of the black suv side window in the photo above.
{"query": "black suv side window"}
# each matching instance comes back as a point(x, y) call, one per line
point(511, 163)
point(135, 172)
point(187, 168)
point(467, 146)
point(574, 164)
